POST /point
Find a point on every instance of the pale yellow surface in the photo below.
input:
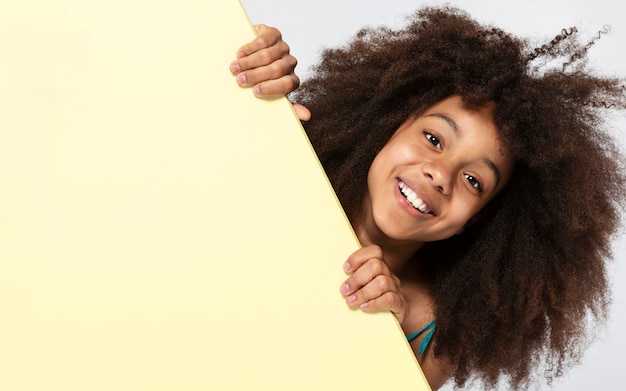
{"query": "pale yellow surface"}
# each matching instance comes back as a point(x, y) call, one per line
point(160, 228)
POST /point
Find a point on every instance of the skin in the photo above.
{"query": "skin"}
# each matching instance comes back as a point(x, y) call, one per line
point(266, 66)
point(449, 156)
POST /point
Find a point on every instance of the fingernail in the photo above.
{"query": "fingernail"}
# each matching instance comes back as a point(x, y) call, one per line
point(346, 266)
point(256, 90)
point(241, 78)
point(352, 299)
point(241, 54)
point(344, 289)
point(364, 305)
point(235, 68)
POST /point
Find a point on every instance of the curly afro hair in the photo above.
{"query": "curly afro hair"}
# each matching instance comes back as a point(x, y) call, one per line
point(516, 289)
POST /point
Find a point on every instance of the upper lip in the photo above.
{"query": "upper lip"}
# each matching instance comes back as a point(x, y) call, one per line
point(417, 189)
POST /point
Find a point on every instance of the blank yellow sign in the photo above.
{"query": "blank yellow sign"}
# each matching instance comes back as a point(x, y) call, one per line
point(160, 228)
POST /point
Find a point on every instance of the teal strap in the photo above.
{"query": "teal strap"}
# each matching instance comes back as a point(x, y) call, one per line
point(431, 330)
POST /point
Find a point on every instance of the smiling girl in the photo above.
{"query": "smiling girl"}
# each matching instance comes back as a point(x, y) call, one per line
point(482, 186)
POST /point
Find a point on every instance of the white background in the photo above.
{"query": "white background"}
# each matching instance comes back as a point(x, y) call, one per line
point(310, 25)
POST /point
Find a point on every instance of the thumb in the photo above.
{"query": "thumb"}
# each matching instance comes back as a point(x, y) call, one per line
point(302, 112)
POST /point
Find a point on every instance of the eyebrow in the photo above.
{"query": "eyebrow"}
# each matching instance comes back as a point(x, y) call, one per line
point(449, 120)
point(493, 168)
point(491, 165)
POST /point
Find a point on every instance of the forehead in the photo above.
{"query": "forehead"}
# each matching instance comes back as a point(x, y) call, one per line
point(460, 117)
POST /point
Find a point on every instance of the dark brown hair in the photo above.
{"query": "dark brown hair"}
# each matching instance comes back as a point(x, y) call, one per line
point(515, 290)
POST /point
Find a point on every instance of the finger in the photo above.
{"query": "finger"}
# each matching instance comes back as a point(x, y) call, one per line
point(374, 289)
point(302, 112)
point(259, 28)
point(388, 301)
point(281, 86)
point(361, 256)
point(263, 57)
point(275, 70)
point(266, 37)
point(364, 275)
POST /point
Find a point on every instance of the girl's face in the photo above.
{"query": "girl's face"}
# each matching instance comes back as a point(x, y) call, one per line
point(435, 173)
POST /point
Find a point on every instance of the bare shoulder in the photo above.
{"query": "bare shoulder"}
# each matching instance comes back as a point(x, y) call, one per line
point(437, 370)
point(422, 311)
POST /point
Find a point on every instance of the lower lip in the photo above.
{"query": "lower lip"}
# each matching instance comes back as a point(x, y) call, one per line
point(408, 207)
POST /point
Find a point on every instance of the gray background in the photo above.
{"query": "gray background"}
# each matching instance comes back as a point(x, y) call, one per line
point(310, 25)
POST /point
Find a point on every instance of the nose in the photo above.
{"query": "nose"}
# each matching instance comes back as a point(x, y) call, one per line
point(439, 175)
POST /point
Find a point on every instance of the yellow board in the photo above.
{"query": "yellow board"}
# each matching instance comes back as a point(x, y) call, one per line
point(160, 228)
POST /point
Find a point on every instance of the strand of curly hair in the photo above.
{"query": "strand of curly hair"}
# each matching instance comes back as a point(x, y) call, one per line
point(516, 289)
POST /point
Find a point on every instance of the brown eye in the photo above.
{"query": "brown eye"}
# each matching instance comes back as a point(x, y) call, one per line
point(474, 182)
point(433, 140)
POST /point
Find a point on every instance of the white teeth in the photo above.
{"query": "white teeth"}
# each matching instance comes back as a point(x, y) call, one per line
point(412, 198)
point(421, 205)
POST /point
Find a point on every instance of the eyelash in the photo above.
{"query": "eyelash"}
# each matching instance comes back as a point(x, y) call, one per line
point(433, 140)
point(473, 182)
point(470, 178)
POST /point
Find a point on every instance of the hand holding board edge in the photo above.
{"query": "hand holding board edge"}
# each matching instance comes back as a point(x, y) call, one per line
point(162, 229)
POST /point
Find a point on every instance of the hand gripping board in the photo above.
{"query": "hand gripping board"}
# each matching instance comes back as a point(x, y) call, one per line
point(161, 228)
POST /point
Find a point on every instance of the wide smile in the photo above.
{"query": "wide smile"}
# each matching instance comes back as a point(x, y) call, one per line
point(413, 200)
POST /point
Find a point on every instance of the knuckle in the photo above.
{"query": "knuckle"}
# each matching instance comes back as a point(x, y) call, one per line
point(357, 258)
point(276, 87)
point(275, 70)
point(378, 251)
point(382, 284)
point(263, 41)
point(393, 303)
point(274, 32)
point(374, 251)
point(283, 47)
point(377, 266)
point(268, 57)
point(265, 57)
point(352, 283)
point(360, 297)
point(289, 84)
point(285, 85)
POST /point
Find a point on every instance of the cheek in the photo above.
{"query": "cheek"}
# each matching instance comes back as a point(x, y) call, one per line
point(371, 177)
point(463, 211)
point(456, 228)
point(376, 172)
